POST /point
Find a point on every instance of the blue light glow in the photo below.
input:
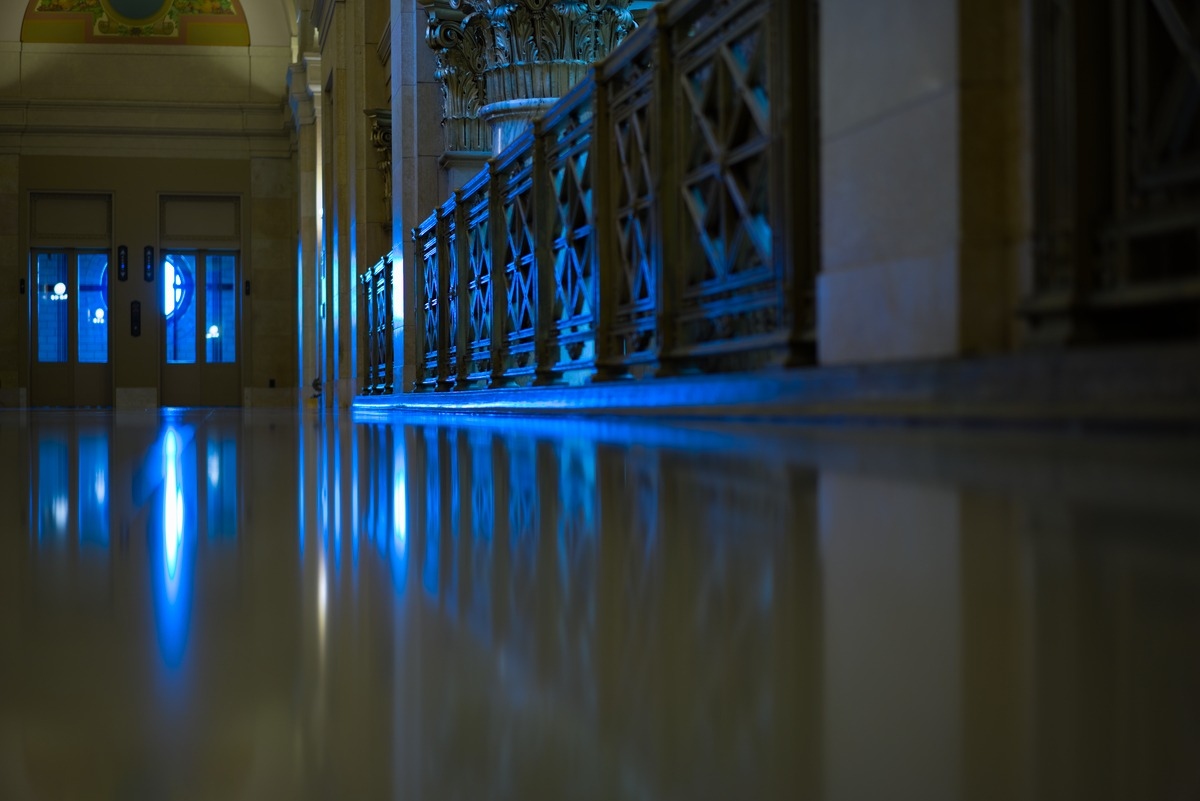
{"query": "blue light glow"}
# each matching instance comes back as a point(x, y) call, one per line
point(173, 508)
point(399, 549)
point(93, 488)
point(172, 546)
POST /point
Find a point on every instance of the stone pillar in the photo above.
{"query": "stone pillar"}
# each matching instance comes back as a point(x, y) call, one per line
point(12, 384)
point(305, 83)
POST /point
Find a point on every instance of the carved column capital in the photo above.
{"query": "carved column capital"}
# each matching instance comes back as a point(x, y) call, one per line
point(381, 140)
point(511, 59)
point(457, 30)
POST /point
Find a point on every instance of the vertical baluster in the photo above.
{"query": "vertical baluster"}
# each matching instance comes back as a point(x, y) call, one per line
point(499, 245)
point(545, 280)
point(442, 234)
point(606, 262)
point(364, 294)
point(794, 189)
point(462, 264)
point(385, 326)
point(420, 298)
point(665, 169)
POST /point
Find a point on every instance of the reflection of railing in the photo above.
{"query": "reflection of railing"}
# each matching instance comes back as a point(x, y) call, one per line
point(655, 219)
point(376, 287)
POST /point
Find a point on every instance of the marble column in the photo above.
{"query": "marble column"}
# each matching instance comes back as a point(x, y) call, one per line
point(305, 80)
point(12, 389)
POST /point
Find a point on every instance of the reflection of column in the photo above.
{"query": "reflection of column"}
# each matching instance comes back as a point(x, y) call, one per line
point(996, 756)
point(892, 627)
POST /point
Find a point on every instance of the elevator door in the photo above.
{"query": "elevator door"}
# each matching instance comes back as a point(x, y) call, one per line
point(70, 328)
point(201, 336)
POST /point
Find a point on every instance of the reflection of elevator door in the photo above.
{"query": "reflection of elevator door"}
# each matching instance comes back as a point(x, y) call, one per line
point(200, 329)
point(70, 365)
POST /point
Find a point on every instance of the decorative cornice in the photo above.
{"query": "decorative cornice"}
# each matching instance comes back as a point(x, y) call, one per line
point(304, 89)
point(381, 140)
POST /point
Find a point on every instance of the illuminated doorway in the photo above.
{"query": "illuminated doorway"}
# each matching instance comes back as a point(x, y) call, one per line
point(71, 364)
point(201, 332)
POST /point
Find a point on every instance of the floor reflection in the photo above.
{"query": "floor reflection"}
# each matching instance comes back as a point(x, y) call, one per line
point(246, 605)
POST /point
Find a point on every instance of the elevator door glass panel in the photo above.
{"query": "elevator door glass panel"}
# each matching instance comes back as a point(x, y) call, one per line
point(179, 289)
point(92, 308)
point(69, 328)
point(220, 309)
point(201, 317)
point(53, 313)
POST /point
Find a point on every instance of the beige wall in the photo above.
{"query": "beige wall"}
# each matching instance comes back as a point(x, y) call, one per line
point(921, 177)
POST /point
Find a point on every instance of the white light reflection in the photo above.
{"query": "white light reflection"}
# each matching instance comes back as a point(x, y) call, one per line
point(100, 487)
point(172, 545)
point(400, 512)
point(61, 511)
point(214, 465)
point(173, 510)
point(322, 602)
point(399, 545)
point(168, 288)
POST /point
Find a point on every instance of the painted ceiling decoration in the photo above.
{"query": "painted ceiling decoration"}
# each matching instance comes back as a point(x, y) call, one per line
point(195, 22)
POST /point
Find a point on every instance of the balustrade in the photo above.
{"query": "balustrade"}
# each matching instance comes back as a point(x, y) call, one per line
point(376, 288)
point(646, 225)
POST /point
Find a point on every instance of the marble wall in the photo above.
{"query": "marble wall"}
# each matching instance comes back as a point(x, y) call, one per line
point(921, 165)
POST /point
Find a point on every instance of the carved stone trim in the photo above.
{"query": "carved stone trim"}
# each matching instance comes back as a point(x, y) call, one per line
point(381, 140)
point(458, 33)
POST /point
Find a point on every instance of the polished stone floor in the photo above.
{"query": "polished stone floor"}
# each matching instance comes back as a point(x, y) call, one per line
point(262, 605)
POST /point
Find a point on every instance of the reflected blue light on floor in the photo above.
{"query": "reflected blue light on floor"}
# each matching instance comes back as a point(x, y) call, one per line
point(433, 511)
point(301, 520)
point(54, 486)
point(172, 548)
point(399, 545)
point(93, 489)
point(354, 518)
point(221, 473)
point(337, 506)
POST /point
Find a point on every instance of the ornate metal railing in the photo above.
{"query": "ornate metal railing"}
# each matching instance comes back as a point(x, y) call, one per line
point(376, 288)
point(655, 220)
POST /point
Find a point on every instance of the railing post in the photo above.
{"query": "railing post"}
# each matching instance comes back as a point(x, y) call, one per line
point(499, 245)
point(384, 326)
point(795, 186)
point(442, 233)
point(367, 333)
point(666, 174)
point(545, 274)
point(462, 263)
point(420, 300)
point(604, 218)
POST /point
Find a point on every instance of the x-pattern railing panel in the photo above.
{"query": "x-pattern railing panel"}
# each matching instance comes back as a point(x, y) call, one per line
point(643, 225)
point(430, 305)
point(479, 250)
point(633, 335)
point(519, 266)
point(573, 236)
point(731, 288)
